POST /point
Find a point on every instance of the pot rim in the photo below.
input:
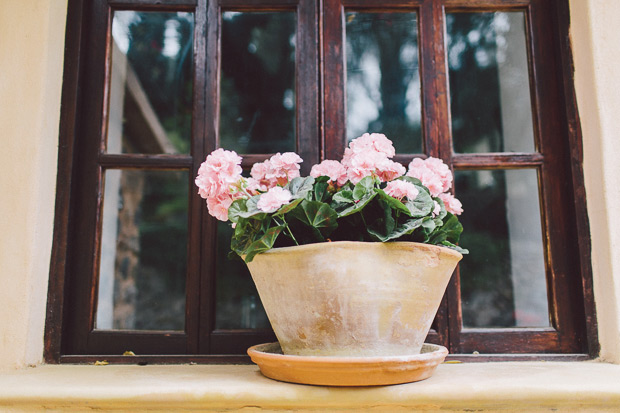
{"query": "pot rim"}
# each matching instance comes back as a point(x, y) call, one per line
point(365, 244)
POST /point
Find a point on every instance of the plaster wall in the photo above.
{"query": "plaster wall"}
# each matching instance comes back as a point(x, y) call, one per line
point(596, 50)
point(31, 59)
point(31, 65)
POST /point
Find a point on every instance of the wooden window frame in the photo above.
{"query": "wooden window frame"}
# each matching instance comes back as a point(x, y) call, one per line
point(69, 336)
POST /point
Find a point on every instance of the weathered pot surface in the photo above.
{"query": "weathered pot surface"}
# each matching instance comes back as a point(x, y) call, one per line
point(353, 298)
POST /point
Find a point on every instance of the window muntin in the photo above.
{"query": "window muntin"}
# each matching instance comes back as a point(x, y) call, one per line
point(320, 114)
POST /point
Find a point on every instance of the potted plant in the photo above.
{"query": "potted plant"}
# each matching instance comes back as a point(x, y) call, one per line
point(351, 261)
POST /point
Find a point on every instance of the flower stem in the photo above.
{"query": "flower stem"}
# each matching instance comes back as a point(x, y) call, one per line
point(288, 229)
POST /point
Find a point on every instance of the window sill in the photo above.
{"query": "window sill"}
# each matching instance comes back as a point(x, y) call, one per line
point(530, 386)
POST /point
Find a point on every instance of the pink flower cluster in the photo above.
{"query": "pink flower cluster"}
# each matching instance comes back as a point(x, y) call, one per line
point(370, 155)
point(367, 155)
point(278, 170)
point(218, 181)
point(336, 172)
point(273, 199)
point(402, 189)
point(437, 177)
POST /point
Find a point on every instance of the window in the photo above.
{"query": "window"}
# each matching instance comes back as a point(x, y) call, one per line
point(151, 87)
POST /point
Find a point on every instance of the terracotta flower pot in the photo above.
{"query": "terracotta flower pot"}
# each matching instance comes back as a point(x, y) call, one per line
point(353, 298)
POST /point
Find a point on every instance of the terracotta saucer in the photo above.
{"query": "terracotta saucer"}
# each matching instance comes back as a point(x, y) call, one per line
point(347, 371)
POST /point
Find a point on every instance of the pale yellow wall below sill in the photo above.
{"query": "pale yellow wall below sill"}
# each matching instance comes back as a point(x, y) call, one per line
point(523, 386)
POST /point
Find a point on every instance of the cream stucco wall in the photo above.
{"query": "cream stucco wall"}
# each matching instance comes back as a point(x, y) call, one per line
point(596, 49)
point(31, 57)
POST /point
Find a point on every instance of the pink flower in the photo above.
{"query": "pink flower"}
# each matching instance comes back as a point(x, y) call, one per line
point(273, 199)
point(259, 170)
point(452, 204)
point(375, 142)
point(433, 173)
point(218, 206)
point(218, 172)
point(278, 170)
point(402, 189)
point(390, 170)
point(254, 186)
point(437, 209)
point(333, 169)
point(365, 164)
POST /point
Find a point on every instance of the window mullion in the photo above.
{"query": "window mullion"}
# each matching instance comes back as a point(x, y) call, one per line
point(209, 23)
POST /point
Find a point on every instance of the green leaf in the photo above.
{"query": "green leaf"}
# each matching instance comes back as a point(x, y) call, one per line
point(453, 228)
point(344, 196)
point(421, 206)
point(246, 232)
point(443, 212)
point(320, 190)
point(318, 215)
point(407, 227)
point(245, 208)
point(285, 209)
point(363, 188)
point(379, 220)
point(411, 179)
point(264, 243)
point(358, 206)
point(300, 187)
point(393, 202)
point(455, 247)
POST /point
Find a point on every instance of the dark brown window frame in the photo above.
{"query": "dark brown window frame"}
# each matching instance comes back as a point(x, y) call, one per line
point(69, 336)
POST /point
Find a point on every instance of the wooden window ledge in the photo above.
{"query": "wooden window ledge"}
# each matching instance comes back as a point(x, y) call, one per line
point(519, 386)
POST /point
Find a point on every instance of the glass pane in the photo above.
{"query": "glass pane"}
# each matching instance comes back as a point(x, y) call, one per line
point(489, 82)
point(383, 78)
point(151, 83)
point(257, 85)
point(238, 303)
point(143, 250)
point(503, 281)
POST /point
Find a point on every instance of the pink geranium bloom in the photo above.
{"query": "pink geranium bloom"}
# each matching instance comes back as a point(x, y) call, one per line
point(437, 209)
point(402, 189)
point(375, 142)
point(218, 206)
point(336, 172)
point(254, 186)
point(365, 164)
point(273, 199)
point(282, 168)
point(218, 172)
point(433, 173)
point(390, 170)
point(452, 204)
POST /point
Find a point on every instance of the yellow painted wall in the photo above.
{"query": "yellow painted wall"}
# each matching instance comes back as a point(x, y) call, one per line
point(31, 57)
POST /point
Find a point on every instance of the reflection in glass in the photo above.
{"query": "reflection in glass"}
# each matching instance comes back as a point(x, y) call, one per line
point(503, 278)
point(150, 108)
point(383, 78)
point(143, 250)
point(489, 82)
point(238, 304)
point(257, 85)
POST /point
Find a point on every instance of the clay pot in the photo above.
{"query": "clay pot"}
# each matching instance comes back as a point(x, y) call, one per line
point(353, 299)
